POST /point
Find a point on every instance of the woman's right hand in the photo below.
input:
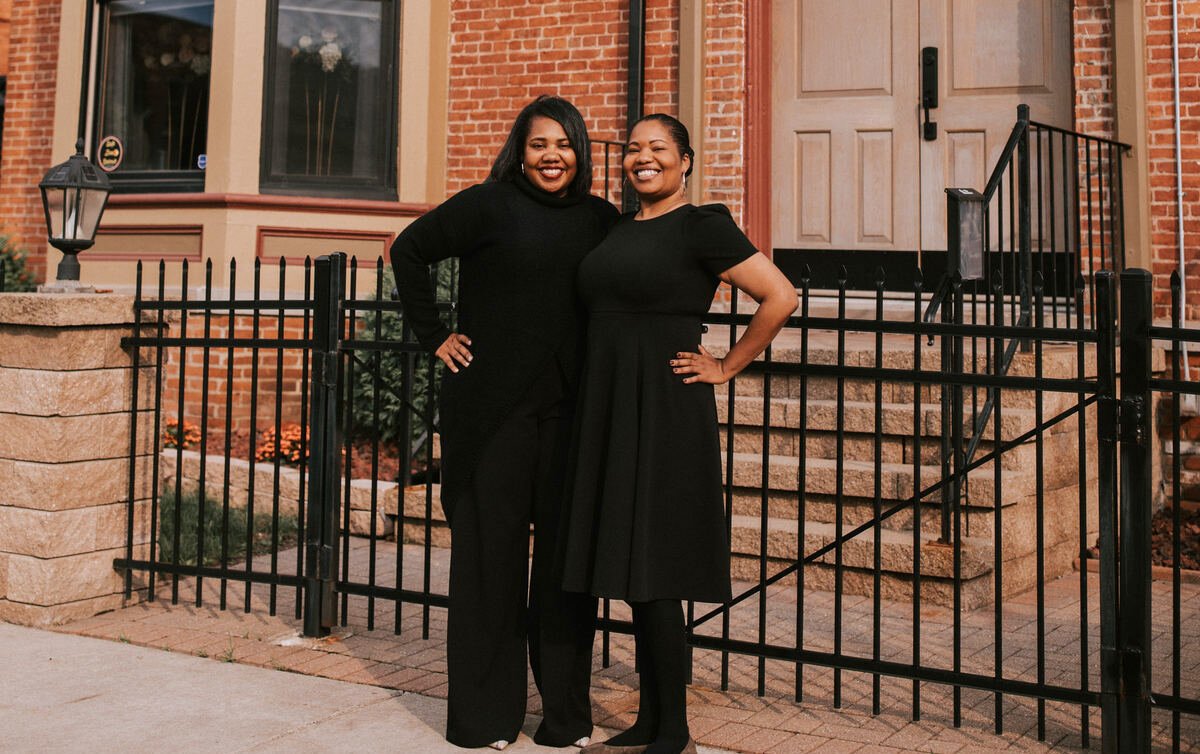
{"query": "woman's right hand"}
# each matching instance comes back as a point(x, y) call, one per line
point(454, 351)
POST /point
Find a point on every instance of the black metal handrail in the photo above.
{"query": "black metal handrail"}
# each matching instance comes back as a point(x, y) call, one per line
point(1066, 201)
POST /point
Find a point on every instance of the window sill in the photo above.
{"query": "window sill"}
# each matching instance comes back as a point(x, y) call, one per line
point(269, 202)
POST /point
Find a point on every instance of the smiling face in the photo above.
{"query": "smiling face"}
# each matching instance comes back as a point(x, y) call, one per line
point(653, 162)
point(549, 160)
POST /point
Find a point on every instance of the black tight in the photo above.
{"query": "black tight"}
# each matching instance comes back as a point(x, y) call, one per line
point(662, 671)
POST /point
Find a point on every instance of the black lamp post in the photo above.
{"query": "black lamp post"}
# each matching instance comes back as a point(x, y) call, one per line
point(74, 195)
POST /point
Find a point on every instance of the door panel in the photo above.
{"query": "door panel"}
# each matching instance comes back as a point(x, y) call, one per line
point(994, 55)
point(814, 187)
point(852, 171)
point(845, 129)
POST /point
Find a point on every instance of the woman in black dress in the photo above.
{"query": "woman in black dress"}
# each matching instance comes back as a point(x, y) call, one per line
point(507, 402)
point(646, 520)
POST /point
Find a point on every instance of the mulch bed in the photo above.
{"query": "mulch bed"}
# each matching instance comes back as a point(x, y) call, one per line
point(1161, 538)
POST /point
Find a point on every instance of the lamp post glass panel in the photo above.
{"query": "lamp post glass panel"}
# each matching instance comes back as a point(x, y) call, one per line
point(74, 195)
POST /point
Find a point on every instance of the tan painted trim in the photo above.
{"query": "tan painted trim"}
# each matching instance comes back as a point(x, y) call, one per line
point(1129, 58)
point(691, 87)
point(148, 230)
point(268, 202)
point(437, 102)
point(67, 79)
point(235, 102)
point(758, 135)
point(262, 233)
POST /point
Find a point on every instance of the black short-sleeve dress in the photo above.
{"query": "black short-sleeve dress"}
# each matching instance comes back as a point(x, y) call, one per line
point(646, 511)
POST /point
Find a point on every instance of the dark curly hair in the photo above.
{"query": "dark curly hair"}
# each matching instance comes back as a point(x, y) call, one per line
point(508, 163)
point(679, 135)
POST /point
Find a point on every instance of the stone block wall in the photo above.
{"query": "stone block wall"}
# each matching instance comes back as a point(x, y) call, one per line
point(65, 441)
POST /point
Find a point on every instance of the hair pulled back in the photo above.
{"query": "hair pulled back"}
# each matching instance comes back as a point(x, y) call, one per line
point(679, 135)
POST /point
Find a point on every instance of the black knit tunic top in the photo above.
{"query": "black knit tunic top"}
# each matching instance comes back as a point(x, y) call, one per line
point(519, 249)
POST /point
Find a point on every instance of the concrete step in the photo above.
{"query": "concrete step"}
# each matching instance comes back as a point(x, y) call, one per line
point(1018, 522)
point(896, 547)
point(1060, 446)
point(1019, 538)
point(899, 352)
point(895, 479)
point(896, 552)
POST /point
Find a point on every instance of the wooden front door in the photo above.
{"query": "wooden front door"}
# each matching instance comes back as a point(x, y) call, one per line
point(851, 169)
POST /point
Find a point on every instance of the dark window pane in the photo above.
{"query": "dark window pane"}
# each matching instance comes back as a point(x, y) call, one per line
point(157, 58)
point(330, 104)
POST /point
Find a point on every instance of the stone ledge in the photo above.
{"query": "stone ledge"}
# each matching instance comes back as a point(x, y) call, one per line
point(54, 534)
point(66, 309)
point(66, 486)
point(54, 439)
point(39, 392)
point(47, 582)
point(24, 614)
point(26, 347)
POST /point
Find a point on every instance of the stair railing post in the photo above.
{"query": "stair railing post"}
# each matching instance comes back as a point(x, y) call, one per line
point(1133, 626)
point(952, 409)
point(320, 540)
point(1106, 488)
point(1024, 224)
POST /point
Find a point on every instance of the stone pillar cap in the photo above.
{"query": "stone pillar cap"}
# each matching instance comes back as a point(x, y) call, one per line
point(66, 309)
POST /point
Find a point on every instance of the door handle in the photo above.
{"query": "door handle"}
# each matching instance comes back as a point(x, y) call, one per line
point(929, 89)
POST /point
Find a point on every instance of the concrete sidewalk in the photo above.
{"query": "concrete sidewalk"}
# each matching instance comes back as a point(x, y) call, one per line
point(396, 653)
point(71, 693)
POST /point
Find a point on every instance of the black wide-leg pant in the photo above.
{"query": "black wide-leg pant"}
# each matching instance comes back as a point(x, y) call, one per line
point(518, 479)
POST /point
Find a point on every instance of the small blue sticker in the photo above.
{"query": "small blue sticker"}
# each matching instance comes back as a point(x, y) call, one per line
point(202, 161)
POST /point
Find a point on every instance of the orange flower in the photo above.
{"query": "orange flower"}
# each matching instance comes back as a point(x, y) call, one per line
point(175, 437)
point(290, 447)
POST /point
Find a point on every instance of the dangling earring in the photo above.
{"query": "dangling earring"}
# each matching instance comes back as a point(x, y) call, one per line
point(522, 168)
point(685, 183)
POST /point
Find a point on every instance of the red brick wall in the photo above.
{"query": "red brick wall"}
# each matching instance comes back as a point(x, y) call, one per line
point(1094, 116)
point(29, 124)
point(1093, 67)
point(1160, 113)
point(724, 103)
point(505, 52)
point(263, 393)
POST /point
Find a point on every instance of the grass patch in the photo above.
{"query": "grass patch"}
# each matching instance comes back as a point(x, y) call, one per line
point(210, 533)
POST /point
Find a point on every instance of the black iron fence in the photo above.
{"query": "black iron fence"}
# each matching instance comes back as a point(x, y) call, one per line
point(940, 514)
point(1173, 691)
point(869, 559)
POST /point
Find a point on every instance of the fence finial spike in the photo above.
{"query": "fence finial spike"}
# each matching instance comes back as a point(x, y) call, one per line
point(806, 274)
point(843, 275)
point(879, 277)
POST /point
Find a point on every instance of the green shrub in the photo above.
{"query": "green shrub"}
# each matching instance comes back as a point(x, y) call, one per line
point(189, 513)
point(15, 274)
point(391, 364)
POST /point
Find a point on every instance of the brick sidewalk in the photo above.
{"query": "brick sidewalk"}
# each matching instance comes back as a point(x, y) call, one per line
point(736, 719)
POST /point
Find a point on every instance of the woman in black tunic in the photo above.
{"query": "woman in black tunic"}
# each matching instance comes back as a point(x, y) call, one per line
point(506, 405)
point(646, 520)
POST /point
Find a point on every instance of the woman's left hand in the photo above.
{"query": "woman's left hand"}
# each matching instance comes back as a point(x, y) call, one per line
point(702, 366)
